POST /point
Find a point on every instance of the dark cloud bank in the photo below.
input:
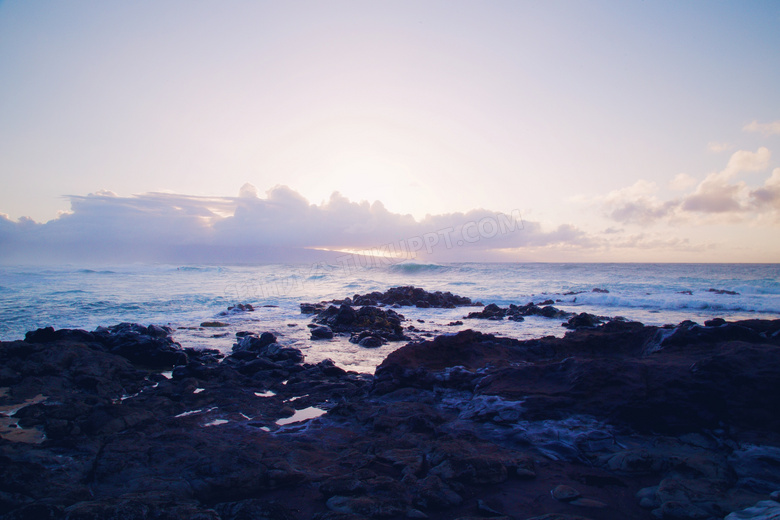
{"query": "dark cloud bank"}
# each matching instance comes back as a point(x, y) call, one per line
point(281, 227)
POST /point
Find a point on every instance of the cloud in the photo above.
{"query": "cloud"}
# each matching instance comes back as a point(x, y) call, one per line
point(768, 196)
point(682, 182)
point(747, 161)
point(772, 128)
point(282, 226)
point(637, 204)
point(718, 194)
point(715, 194)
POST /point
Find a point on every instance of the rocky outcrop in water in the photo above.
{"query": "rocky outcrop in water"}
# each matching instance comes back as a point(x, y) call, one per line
point(518, 312)
point(397, 296)
point(382, 324)
point(413, 296)
point(616, 420)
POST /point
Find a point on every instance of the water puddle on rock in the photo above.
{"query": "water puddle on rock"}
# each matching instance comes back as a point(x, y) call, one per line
point(9, 427)
point(302, 415)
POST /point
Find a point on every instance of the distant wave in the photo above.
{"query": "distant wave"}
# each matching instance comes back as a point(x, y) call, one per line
point(199, 268)
point(414, 267)
point(72, 291)
point(92, 271)
point(699, 300)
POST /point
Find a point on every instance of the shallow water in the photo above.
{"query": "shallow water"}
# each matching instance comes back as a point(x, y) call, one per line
point(185, 296)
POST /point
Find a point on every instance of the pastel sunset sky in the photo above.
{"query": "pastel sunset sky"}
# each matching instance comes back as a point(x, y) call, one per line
point(619, 130)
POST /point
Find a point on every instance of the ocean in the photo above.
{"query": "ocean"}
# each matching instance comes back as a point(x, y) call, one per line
point(183, 297)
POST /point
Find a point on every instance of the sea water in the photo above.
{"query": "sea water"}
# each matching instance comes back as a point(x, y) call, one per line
point(185, 296)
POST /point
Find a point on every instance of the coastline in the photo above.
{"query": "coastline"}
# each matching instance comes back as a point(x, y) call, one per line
point(613, 419)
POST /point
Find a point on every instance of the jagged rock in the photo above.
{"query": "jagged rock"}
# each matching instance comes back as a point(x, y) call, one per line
point(385, 324)
point(584, 320)
point(517, 313)
point(763, 510)
point(447, 427)
point(253, 343)
point(412, 296)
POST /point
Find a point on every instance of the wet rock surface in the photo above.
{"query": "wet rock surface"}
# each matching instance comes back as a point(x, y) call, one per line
point(615, 420)
point(382, 324)
point(518, 312)
point(407, 296)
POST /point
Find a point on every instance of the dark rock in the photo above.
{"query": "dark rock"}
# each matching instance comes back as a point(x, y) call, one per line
point(370, 342)
point(252, 343)
point(36, 511)
point(408, 296)
point(564, 493)
point(516, 313)
point(366, 506)
point(214, 323)
point(321, 332)
point(147, 346)
point(678, 420)
point(598, 290)
point(432, 493)
point(253, 509)
point(583, 320)
point(312, 308)
point(723, 291)
point(674, 510)
point(241, 307)
point(606, 372)
point(382, 323)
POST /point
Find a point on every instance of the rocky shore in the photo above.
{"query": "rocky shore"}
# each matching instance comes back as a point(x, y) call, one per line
point(614, 420)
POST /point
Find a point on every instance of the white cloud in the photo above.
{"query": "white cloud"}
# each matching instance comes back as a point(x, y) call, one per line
point(682, 182)
point(772, 128)
point(282, 226)
point(636, 204)
point(769, 194)
point(747, 161)
point(717, 194)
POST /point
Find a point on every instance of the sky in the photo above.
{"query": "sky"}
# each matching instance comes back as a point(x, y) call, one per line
point(249, 131)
